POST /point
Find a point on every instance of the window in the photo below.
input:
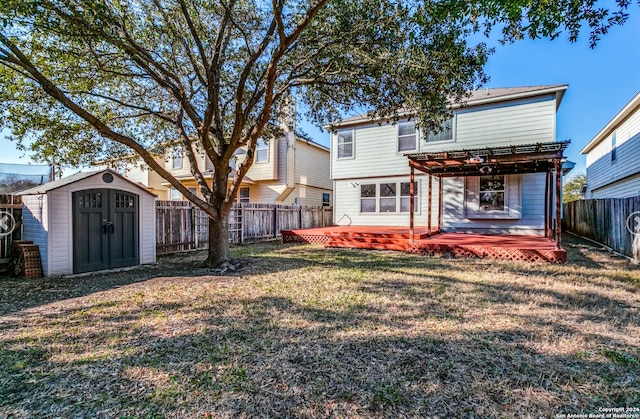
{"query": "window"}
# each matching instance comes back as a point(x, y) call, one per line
point(243, 195)
point(388, 197)
point(492, 193)
point(407, 136)
point(345, 144)
point(405, 197)
point(175, 195)
point(368, 198)
point(176, 158)
point(445, 133)
point(262, 151)
point(193, 190)
point(326, 200)
point(613, 147)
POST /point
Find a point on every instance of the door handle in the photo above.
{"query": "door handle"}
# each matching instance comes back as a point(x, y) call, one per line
point(108, 227)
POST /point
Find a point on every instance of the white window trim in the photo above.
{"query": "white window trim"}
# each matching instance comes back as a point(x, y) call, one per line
point(240, 198)
point(377, 197)
point(454, 132)
point(512, 202)
point(353, 144)
point(174, 158)
point(267, 147)
point(415, 144)
point(173, 197)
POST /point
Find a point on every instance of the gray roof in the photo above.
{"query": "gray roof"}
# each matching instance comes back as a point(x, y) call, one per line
point(44, 188)
point(479, 97)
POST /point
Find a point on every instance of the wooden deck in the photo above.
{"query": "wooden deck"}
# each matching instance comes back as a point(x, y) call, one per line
point(511, 247)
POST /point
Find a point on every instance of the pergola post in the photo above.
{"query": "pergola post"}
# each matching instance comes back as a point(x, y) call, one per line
point(558, 167)
point(412, 193)
point(546, 205)
point(550, 206)
point(429, 207)
point(439, 203)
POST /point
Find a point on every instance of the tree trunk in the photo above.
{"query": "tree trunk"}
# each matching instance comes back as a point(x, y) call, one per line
point(218, 241)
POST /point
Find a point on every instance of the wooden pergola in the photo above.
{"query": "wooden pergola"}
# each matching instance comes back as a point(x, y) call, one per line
point(501, 160)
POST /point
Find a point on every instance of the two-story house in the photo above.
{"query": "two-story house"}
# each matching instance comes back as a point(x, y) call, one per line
point(613, 170)
point(287, 170)
point(492, 163)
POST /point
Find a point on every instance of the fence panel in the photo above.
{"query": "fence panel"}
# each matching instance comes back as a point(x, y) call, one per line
point(180, 226)
point(10, 224)
point(614, 222)
point(174, 226)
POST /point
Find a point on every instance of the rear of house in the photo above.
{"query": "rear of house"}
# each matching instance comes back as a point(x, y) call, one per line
point(370, 169)
point(613, 168)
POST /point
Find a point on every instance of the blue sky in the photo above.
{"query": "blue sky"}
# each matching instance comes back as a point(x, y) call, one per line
point(601, 81)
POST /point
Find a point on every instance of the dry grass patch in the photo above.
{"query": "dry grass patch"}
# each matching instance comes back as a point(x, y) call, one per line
point(301, 331)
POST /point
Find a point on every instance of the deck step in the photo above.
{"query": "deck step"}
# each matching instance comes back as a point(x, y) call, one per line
point(367, 245)
point(397, 236)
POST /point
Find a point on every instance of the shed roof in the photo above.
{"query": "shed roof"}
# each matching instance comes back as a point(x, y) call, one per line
point(56, 184)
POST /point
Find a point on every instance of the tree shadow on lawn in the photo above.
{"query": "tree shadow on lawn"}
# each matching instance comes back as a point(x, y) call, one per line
point(398, 352)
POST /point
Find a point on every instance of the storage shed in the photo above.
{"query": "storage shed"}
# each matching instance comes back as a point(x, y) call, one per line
point(90, 221)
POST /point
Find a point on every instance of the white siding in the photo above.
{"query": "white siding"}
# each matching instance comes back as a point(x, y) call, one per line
point(531, 219)
point(35, 221)
point(516, 122)
point(602, 171)
point(312, 166)
point(265, 192)
point(347, 203)
point(267, 170)
point(61, 230)
point(623, 189)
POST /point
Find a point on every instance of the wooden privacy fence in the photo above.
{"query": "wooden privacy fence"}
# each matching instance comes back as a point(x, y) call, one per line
point(614, 222)
point(181, 226)
point(10, 224)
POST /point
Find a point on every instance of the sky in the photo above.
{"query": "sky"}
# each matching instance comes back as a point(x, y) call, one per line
point(601, 81)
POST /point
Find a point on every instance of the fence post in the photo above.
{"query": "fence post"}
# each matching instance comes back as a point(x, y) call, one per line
point(301, 217)
point(241, 218)
point(275, 221)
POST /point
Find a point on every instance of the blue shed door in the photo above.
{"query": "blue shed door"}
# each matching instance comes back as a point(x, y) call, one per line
point(105, 229)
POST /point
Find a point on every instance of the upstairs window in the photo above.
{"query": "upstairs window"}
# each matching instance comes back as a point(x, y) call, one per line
point(176, 158)
point(614, 154)
point(345, 144)
point(444, 134)
point(262, 151)
point(407, 136)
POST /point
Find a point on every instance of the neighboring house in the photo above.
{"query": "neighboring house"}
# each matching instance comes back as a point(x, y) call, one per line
point(287, 170)
point(371, 173)
point(613, 167)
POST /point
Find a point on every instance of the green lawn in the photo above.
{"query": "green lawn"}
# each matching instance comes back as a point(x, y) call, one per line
point(301, 331)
